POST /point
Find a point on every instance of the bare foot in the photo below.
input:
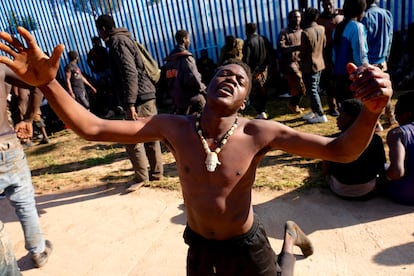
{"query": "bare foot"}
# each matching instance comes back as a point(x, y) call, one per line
point(300, 238)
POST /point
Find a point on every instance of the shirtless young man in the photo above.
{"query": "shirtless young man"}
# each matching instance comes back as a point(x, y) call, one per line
point(224, 235)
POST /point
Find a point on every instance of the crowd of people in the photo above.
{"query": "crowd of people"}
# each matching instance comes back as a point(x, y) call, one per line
point(344, 52)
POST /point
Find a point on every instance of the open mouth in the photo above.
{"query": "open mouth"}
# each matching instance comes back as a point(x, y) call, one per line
point(226, 89)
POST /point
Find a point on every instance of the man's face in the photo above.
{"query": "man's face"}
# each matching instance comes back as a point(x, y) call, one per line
point(328, 6)
point(230, 85)
point(294, 19)
point(102, 33)
point(187, 42)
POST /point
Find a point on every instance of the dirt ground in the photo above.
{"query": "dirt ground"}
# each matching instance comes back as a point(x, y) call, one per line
point(102, 231)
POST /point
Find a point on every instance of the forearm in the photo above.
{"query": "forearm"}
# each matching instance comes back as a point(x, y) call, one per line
point(71, 112)
point(35, 99)
point(350, 144)
point(90, 127)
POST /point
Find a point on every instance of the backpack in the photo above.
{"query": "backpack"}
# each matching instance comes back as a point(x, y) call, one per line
point(150, 65)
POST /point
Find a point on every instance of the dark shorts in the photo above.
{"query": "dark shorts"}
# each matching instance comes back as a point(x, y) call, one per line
point(249, 254)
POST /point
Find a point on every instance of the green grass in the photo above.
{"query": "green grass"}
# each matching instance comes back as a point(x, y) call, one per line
point(70, 162)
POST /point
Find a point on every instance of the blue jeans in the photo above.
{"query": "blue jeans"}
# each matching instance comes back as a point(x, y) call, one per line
point(311, 81)
point(16, 181)
point(8, 264)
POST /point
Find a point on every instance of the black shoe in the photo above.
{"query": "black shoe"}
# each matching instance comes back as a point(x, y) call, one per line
point(334, 113)
point(40, 259)
point(45, 141)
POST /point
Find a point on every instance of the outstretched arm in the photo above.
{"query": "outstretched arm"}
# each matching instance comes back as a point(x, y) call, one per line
point(373, 88)
point(37, 69)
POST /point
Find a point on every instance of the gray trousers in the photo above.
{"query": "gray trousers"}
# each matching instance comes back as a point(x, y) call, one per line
point(144, 154)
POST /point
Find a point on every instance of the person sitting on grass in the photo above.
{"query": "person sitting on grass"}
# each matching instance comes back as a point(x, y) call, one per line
point(217, 153)
point(357, 179)
point(400, 140)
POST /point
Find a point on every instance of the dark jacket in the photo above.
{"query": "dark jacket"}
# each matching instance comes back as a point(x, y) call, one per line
point(256, 52)
point(184, 80)
point(129, 76)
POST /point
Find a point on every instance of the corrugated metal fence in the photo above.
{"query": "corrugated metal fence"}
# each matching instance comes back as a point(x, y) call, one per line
point(154, 22)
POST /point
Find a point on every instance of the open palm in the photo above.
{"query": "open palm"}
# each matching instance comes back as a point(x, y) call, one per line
point(30, 63)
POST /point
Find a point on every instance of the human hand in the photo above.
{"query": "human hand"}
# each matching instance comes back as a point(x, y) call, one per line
point(31, 63)
point(131, 113)
point(371, 86)
point(24, 130)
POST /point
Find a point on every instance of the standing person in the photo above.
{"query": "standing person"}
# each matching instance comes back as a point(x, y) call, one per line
point(360, 178)
point(40, 124)
point(313, 42)
point(98, 61)
point(76, 81)
point(231, 49)
point(329, 18)
point(18, 105)
point(257, 54)
point(349, 45)
point(138, 94)
point(8, 264)
point(184, 81)
point(400, 141)
point(379, 25)
point(206, 67)
point(15, 178)
point(289, 44)
point(217, 174)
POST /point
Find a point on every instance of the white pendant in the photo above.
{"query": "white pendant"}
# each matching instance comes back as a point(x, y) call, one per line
point(212, 161)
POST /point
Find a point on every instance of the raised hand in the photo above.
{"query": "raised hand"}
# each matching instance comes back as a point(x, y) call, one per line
point(31, 64)
point(370, 85)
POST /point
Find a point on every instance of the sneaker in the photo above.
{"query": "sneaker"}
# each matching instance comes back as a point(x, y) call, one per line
point(309, 115)
point(119, 110)
point(40, 259)
point(45, 141)
point(110, 114)
point(262, 115)
point(133, 186)
point(285, 95)
point(318, 119)
point(295, 109)
point(334, 113)
point(379, 127)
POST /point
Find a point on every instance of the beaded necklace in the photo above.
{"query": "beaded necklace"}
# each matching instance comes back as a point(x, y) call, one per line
point(212, 156)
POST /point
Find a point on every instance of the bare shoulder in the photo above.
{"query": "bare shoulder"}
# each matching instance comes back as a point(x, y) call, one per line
point(264, 128)
point(170, 122)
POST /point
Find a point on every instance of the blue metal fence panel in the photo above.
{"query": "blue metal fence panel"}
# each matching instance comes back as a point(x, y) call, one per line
point(154, 22)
